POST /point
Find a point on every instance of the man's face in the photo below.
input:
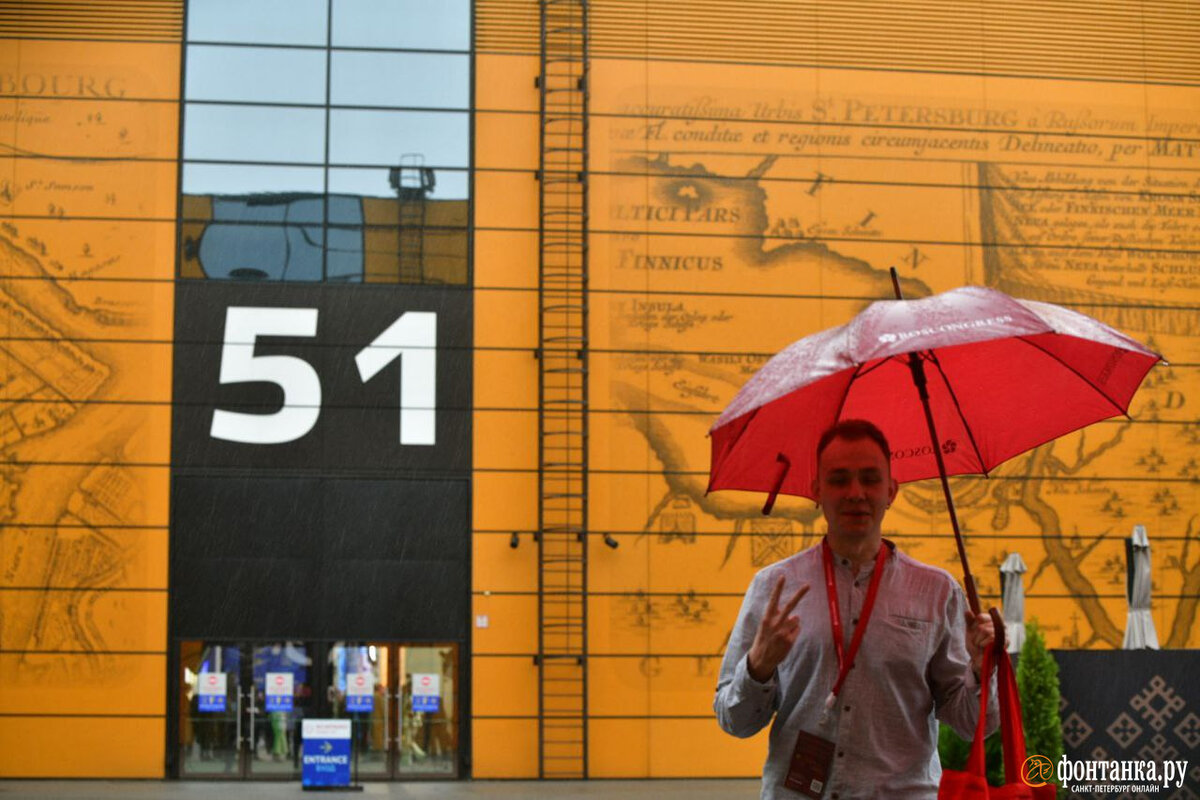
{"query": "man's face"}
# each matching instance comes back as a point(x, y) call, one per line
point(854, 487)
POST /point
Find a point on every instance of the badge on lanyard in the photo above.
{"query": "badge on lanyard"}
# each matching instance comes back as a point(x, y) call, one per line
point(813, 755)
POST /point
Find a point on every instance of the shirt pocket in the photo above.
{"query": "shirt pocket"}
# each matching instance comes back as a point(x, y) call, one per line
point(909, 641)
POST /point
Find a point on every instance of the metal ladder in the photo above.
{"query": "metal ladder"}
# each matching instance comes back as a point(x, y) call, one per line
point(413, 182)
point(562, 406)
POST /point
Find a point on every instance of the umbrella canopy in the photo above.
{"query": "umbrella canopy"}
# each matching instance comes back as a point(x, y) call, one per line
point(1139, 625)
point(1004, 375)
point(1012, 597)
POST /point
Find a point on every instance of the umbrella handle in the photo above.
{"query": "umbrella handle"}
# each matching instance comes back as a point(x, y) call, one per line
point(786, 465)
point(1000, 646)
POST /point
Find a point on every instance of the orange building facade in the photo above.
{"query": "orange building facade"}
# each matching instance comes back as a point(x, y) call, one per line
point(575, 231)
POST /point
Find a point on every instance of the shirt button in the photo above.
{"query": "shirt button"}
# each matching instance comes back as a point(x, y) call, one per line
point(841, 753)
point(834, 796)
point(845, 708)
point(854, 621)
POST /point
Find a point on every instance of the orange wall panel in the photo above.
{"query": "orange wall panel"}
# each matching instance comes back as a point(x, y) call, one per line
point(504, 686)
point(505, 748)
point(32, 747)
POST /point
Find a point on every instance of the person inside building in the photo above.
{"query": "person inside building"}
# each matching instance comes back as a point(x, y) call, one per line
point(856, 719)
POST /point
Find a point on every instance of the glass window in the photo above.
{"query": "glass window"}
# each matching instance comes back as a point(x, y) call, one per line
point(410, 234)
point(379, 138)
point(262, 74)
point(258, 22)
point(416, 24)
point(437, 184)
point(282, 237)
point(318, 146)
point(218, 179)
point(254, 133)
point(423, 80)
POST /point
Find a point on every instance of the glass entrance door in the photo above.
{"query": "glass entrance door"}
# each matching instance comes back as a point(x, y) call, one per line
point(242, 706)
point(279, 696)
point(362, 689)
point(428, 739)
point(211, 711)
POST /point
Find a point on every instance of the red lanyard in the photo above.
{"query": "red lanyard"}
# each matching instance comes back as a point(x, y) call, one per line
point(846, 661)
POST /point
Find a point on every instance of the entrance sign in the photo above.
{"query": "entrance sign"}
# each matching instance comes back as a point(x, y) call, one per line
point(326, 760)
point(426, 691)
point(360, 691)
point(279, 691)
point(211, 687)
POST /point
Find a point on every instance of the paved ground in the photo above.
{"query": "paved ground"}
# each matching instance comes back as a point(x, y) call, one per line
point(458, 790)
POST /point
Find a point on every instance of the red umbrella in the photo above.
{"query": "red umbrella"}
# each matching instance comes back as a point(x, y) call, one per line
point(958, 382)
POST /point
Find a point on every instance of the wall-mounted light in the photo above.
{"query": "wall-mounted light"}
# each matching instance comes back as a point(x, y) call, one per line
point(610, 541)
point(514, 541)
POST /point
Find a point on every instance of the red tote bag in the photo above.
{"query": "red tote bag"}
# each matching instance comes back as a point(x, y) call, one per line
point(971, 783)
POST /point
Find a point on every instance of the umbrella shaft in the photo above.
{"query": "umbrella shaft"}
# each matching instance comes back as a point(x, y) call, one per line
point(919, 379)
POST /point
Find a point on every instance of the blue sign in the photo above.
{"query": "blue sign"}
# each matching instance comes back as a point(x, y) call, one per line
point(211, 687)
point(212, 702)
point(326, 752)
point(279, 690)
point(279, 702)
point(429, 703)
point(360, 702)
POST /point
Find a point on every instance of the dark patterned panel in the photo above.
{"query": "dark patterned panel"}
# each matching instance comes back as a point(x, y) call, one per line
point(1138, 705)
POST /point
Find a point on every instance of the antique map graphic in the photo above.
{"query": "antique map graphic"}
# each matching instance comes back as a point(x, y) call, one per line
point(87, 198)
point(732, 221)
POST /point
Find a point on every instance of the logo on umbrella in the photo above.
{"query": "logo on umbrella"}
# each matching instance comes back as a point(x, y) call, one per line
point(948, 447)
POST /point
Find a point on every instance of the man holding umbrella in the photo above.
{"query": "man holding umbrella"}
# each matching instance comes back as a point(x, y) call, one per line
point(853, 647)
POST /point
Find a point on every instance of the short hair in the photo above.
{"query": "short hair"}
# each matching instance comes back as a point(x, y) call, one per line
point(852, 430)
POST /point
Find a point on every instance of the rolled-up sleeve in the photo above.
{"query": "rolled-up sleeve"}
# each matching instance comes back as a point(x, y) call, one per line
point(952, 681)
point(743, 705)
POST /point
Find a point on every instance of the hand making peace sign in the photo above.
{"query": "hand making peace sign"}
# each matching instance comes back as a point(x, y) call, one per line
point(776, 634)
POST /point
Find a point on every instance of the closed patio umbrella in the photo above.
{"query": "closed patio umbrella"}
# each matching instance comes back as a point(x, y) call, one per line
point(1139, 625)
point(1012, 596)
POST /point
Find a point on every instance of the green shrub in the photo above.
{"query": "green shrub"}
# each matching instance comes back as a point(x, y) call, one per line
point(1037, 681)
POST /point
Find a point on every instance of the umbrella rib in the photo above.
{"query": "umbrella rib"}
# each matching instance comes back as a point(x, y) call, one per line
point(858, 371)
point(966, 425)
point(1077, 374)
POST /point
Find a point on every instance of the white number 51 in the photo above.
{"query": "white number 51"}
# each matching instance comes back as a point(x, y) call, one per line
point(413, 335)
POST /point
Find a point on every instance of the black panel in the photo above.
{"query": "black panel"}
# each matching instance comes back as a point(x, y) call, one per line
point(396, 520)
point(359, 423)
point(373, 599)
point(309, 558)
point(342, 532)
point(231, 598)
point(238, 518)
